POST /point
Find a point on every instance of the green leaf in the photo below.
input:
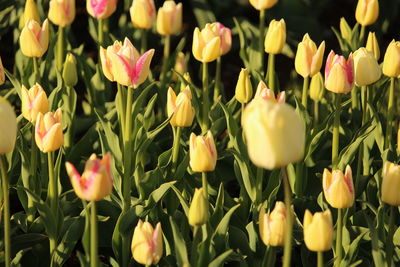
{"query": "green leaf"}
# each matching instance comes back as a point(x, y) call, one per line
point(222, 229)
point(220, 260)
point(203, 12)
point(157, 194)
point(180, 244)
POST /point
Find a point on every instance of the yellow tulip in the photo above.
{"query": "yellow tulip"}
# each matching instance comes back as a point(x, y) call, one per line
point(338, 188)
point(180, 65)
point(70, 75)
point(244, 89)
point(273, 226)
point(34, 101)
point(48, 131)
point(308, 59)
point(202, 152)
point(275, 133)
point(366, 68)
point(105, 58)
point(62, 12)
point(143, 13)
point(318, 230)
point(34, 40)
point(339, 73)
point(8, 120)
point(276, 37)
point(317, 87)
point(101, 9)
point(31, 12)
point(2, 73)
point(263, 4)
point(206, 43)
point(367, 12)
point(391, 61)
point(391, 184)
point(169, 18)
point(372, 45)
point(180, 108)
point(96, 181)
point(147, 243)
point(198, 211)
point(267, 94)
point(345, 30)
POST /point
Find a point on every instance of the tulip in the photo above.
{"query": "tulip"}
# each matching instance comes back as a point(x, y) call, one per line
point(317, 87)
point(34, 101)
point(96, 182)
point(2, 73)
point(203, 153)
point(338, 188)
point(34, 40)
point(391, 183)
point(267, 94)
point(180, 65)
point(186, 76)
point(31, 12)
point(345, 30)
point(318, 230)
point(372, 45)
point(273, 226)
point(275, 134)
point(198, 211)
point(391, 61)
point(8, 120)
point(366, 68)
point(244, 90)
point(339, 73)
point(105, 59)
point(308, 59)
point(263, 4)
point(180, 108)
point(101, 9)
point(169, 18)
point(276, 37)
point(225, 36)
point(70, 74)
point(147, 243)
point(62, 12)
point(143, 13)
point(206, 43)
point(367, 12)
point(48, 131)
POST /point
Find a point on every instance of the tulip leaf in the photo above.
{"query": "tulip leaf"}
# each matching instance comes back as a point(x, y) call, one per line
point(203, 12)
point(157, 194)
point(219, 207)
point(221, 231)
point(14, 81)
point(379, 136)
point(55, 95)
point(242, 38)
point(220, 260)
point(140, 100)
point(184, 203)
point(180, 244)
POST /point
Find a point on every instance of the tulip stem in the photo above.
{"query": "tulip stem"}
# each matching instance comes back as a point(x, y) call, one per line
point(287, 251)
point(93, 236)
point(204, 183)
point(389, 249)
point(36, 69)
point(261, 39)
point(175, 148)
point(304, 96)
point(100, 31)
point(364, 101)
point(271, 72)
point(60, 49)
point(339, 231)
point(316, 113)
point(320, 259)
point(362, 34)
point(143, 41)
point(52, 197)
point(259, 184)
point(217, 87)
point(354, 98)
point(167, 45)
point(32, 172)
point(6, 211)
point(269, 256)
point(336, 126)
point(121, 96)
point(389, 123)
point(206, 100)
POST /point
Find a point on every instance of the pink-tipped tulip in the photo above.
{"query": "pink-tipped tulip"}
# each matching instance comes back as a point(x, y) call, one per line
point(34, 101)
point(203, 153)
point(267, 94)
point(339, 73)
point(34, 39)
point(62, 12)
point(105, 58)
point(101, 9)
point(338, 188)
point(225, 35)
point(147, 243)
point(48, 131)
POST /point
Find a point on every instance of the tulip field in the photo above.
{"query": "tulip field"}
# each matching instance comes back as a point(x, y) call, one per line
point(199, 133)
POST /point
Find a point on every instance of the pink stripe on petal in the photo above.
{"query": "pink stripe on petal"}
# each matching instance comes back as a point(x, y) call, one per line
point(328, 65)
point(138, 69)
point(98, 6)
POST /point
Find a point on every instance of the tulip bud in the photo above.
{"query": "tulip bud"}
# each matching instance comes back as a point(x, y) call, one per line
point(372, 45)
point(366, 68)
point(308, 59)
point(34, 102)
point(169, 18)
point(186, 76)
point(147, 243)
point(339, 73)
point(198, 211)
point(2, 73)
point(180, 65)
point(318, 230)
point(101, 9)
point(317, 87)
point(338, 188)
point(275, 133)
point(244, 90)
point(31, 12)
point(345, 30)
point(69, 74)
point(391, 183)
point(203, 153)
point(206, 43)
point(48, 131)
point(34, 40)
point(143, 13)
point(367, 12)
point(391, 61)
point(263, 4)
point(276, 37)
point(273, 226)
point(267, 94)
point(62, 12)
point(180, 108)
point(8, 120)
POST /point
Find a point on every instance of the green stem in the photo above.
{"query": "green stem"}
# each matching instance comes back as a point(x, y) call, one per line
point(336, 127)
point(339, 231)
point(389, 123)
point(100, 31)
point(164, 70)
point(389, 243)
point(206, 99)
point(143, 41)
point(304, 96)
point(320, 259)
point(36, 69)
point(259, 184)
point(69, 108)
point(60, 49)
point(261, 39)
point(204, 183)
point(93, 236)
point(362, 34)
point(32, 172)
point(271, 72)
point(364, 95)
point(269, 257)
point(217, 87)
point(287, 251)
point(354, 98)
point(52, 199)
point(122, 115)
point(175, 148)
point(316, 113)
point(6, 211)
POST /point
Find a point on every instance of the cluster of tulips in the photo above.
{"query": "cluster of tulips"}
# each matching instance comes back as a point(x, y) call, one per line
point(265, 140)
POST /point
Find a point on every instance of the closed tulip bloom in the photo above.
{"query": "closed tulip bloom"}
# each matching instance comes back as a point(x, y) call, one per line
point(62, 12)
point(101, 9)
point(318, 230)
point(147, 243)
point(180, 108)
point(391, 183)
point(367, 12)
point(391, 61)
point(317, 87)
point(273, 225)
point(96, 182)
point(366, 68)
point(372, 45)
point(339, 73)
point(143, 13)
point(345, 29)
point(48, 131)
point(338, 188)
point(244, 89)
point(2, 73)
point(308, 59)
point(265, 93)
point(8, 120)
point(206, 43)
point(203, 153)
point(34, 101)
point(276, 37)
point(34, 40)
point(198, 211)
point(263, 4)
point(105, 59)
point(225, 35)
point(169, 18)
point(180, 64)
point(70, 75)
point(30, 11)
point(275, 133)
